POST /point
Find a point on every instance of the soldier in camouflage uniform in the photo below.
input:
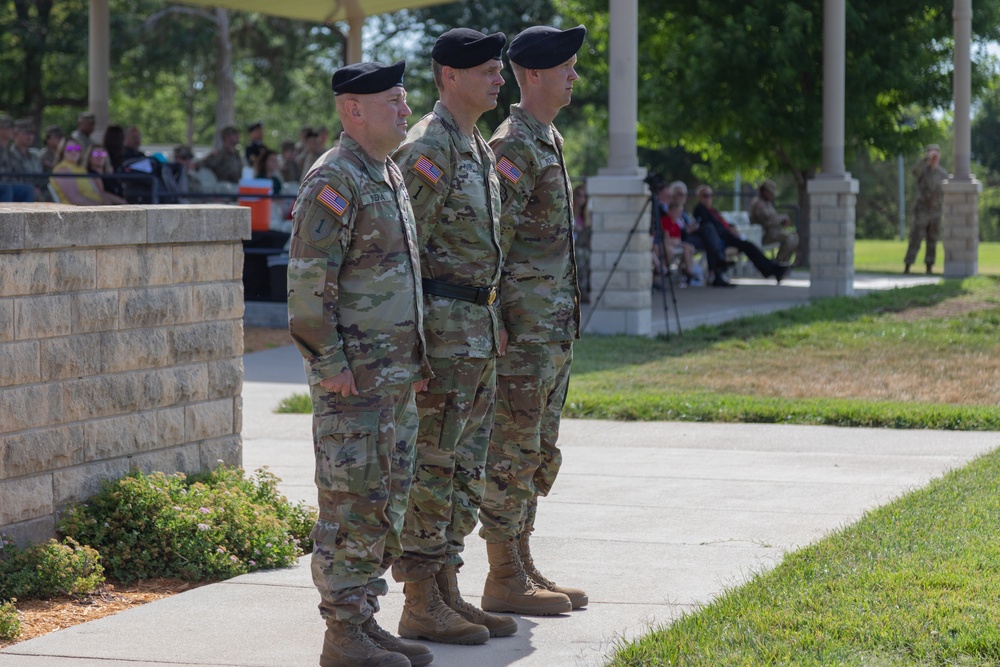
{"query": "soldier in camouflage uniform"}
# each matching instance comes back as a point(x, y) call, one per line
point(23, 159)
point(927, 208)
point(452, 180)
point(10, 188)
point(540, 308)
point(225, 162)
point(85, 124)
point(777, 228)
point(354, 312)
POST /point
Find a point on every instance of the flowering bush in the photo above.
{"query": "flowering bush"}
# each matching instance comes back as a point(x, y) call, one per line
point(10, 623)
point(47, 570)
point(208, 527)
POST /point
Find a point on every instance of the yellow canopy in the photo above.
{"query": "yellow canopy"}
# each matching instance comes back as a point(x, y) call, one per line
point(317, 11)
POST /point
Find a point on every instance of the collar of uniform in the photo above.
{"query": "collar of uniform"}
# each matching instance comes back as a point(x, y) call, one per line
point(464, 145)
point(544, 132)
point(375, 169)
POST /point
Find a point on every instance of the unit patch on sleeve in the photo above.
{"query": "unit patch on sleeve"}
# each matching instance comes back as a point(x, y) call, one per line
point(507, 168)
point(426, 168)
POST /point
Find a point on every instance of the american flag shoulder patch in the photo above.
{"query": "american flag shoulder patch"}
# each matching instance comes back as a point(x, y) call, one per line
point(426, 167)
point(507, 168)
point(333, 200)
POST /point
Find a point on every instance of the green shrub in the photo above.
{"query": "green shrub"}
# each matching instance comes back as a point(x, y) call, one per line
point(49, 570)
point(299, 403)
point(208, 527)
point(10, 624)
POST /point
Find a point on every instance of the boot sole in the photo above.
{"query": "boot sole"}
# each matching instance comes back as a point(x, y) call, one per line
point(404, 663)
point(478, 638)
point(579, 602)
point(497, 605)
point(502, 632)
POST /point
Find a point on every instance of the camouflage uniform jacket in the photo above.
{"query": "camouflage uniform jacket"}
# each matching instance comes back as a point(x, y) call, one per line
point(227, 166)
point(354, 273)
point(83, 139)
point(763, 213)
point(456, 200)
point(26, 163)
point(538, 290)
point(930, 197)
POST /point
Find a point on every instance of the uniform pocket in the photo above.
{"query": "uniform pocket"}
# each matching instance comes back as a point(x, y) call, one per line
point(347, 457)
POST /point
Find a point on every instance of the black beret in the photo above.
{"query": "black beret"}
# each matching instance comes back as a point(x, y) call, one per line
point(367, 78)
point(463, 48)
point(542, 47)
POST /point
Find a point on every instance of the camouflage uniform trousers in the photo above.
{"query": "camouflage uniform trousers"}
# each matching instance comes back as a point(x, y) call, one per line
point(925, 224)
point(364, 463)
point(523, 458)
point(456, 416)
point(787, 240)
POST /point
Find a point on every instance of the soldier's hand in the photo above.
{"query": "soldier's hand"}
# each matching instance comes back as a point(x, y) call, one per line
point(502, 341)
point(342, 383)
point(421, 385)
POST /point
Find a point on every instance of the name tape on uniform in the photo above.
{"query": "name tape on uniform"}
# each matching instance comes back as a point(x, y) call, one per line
point(428, 169)
point(333, 200)
point(507, 168)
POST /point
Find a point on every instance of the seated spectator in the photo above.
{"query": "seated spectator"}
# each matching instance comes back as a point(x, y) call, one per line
point(85, 124)
point(705, 239)
point(777, 228)
point(255, 142)
point(9, 190)
point(706, 215)
point(22, 158)
point(310, 150)
point(670, 215)
point(291, 170)
point(72, 189)
point(53, 135)
point(225, 162)
point(133, 140)
point(267, 168)
point(181, 172)
point(114, 144)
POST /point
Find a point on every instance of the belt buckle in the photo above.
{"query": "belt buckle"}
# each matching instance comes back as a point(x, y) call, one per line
point(492, 297)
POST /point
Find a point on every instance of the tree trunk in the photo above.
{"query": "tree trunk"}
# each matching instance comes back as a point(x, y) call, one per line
point(225, 105)
point(33, 39)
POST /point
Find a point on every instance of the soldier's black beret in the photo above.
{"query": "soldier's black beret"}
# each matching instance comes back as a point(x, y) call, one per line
point(463, 48)
point(367, 78)
point(542, 47)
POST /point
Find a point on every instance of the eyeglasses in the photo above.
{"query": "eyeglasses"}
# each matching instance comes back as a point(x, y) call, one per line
point(72, 148)
point(99, 153)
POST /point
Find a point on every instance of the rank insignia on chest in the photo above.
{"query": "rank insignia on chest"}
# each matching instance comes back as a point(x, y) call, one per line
point(333, 200)
point(428, 169)
point(507, 168)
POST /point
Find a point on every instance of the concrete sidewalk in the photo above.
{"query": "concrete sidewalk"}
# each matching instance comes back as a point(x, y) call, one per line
point(652, 519)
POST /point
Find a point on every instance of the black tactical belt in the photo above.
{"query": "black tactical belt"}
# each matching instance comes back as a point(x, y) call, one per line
point(484, 296)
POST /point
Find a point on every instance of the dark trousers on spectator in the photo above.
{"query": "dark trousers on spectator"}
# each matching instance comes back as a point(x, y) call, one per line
point(708, 241)
point(753, 253)
point(19, 192)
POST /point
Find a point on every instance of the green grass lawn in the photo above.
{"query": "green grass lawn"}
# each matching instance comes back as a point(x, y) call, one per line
point(921, 357)
point(887, 257)
point(915, 582)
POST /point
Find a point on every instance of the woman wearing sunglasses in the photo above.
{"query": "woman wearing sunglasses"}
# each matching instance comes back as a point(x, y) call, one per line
point(72, 188)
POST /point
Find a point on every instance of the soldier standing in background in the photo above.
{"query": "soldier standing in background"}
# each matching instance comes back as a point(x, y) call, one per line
point(927, 208)
point(354, 312)
point(225, 162)
point(540, 309)
point(452, 180)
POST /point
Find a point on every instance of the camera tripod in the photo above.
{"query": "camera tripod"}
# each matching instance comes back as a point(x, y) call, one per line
point(664, 272)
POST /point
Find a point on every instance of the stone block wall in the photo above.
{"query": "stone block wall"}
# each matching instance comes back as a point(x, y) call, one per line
point(121, 344)
point(832, 203)
point(960, 227)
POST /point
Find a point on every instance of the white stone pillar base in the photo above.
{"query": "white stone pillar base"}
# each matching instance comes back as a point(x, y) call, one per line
point(626, 306)
point(960, 227)
point(832, 204)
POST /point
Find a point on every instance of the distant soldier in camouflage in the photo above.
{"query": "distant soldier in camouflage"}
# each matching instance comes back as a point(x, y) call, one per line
point(540, 308)
point(927, 208)
point(777, 228)
point(354, 312)
point(85, 124)
point(23, 159)
point(452, 180)
point(225, 162)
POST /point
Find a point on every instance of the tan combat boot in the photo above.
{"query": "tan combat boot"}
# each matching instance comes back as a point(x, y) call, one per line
point(347, 645)
point(426, 616)
point(508, 588)
point(418, 654)
point(575, 595)
point(447, 581)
